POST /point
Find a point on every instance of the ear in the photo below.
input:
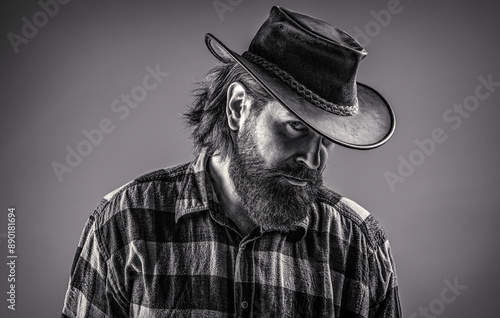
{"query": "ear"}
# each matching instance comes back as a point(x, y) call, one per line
point(237, 105)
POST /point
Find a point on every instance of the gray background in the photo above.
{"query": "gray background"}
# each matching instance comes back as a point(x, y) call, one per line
point(441, 220)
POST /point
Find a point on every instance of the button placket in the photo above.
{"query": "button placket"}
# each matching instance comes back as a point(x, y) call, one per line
point(245, 274)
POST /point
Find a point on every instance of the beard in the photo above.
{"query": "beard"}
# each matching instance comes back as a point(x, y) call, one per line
point(269, 200)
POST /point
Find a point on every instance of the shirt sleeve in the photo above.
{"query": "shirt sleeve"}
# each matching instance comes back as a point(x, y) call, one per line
point(383, 284)
point(91, 291)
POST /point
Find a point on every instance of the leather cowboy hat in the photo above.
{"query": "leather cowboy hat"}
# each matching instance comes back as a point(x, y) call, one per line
point(310, 67)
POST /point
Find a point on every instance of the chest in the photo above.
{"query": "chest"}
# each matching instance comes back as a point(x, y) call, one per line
point(228, 275)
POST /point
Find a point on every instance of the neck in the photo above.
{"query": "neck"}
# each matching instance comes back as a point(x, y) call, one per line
point(226, 194)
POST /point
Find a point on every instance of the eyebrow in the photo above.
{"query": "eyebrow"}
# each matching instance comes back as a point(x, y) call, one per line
point(284, 114)
point(289, 116)
point(289, 113)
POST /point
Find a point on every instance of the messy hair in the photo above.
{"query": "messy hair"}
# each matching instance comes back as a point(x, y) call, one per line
point(206, 116)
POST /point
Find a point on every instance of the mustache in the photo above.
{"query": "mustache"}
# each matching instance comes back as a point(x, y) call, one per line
point(296, 171)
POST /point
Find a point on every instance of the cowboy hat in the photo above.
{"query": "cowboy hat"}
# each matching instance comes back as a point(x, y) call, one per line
point(310, 67)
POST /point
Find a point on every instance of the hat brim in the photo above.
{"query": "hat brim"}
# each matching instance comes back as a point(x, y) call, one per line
point(370, 127)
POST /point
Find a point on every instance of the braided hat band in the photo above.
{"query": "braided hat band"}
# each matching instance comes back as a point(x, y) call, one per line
point(315, 99)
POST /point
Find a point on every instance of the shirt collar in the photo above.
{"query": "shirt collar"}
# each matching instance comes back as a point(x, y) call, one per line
point(196, 193)
point(195, 188)
point(300, 231)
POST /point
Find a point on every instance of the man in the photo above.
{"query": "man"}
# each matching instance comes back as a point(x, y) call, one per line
point(247, 229)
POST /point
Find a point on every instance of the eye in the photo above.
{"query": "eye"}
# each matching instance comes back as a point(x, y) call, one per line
point(296, 126)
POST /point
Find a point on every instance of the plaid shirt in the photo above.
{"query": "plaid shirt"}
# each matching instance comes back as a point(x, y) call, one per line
point(161, 246)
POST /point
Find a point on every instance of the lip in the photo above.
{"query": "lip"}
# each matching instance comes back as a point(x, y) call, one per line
point(295, 181)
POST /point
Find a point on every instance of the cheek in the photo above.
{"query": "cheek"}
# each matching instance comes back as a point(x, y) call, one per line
point(274, 146)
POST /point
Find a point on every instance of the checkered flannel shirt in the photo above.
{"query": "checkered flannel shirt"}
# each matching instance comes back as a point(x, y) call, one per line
point(161, 246)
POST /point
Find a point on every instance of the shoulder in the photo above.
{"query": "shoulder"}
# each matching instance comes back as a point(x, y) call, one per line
point(136, 204)
point(359, 237)
point(138, 191)
point(351, 216)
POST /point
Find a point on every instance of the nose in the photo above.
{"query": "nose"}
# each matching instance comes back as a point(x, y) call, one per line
point(314, 153)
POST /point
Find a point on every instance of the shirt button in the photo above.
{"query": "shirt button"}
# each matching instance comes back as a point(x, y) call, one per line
point(244, 305)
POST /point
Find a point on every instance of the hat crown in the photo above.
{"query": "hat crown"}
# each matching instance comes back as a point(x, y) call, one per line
point(326, 30)
point(323, 58)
